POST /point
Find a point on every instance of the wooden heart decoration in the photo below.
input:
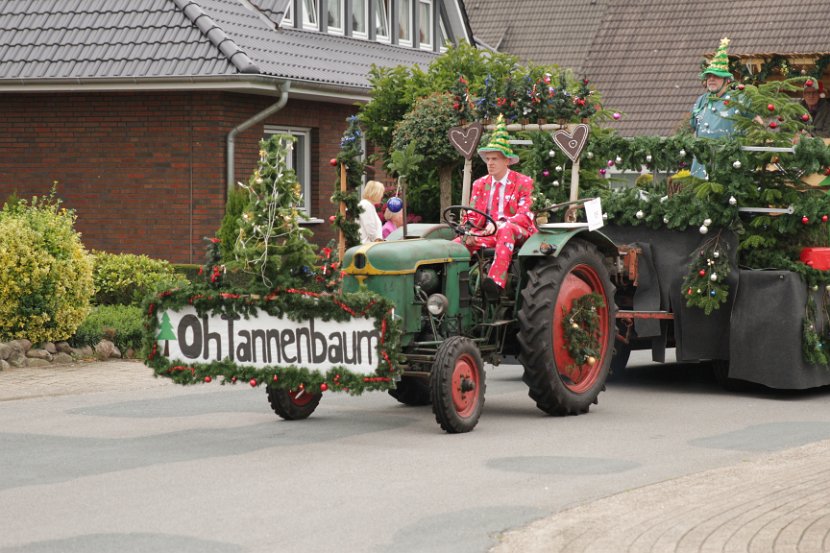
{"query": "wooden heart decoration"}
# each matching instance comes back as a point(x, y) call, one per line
point(466, 139)
point(572, 143)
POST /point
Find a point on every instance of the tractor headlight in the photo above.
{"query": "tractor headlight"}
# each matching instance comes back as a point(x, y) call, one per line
point(437, 304)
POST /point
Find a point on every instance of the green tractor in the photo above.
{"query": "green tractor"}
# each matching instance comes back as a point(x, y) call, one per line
point(556, 314)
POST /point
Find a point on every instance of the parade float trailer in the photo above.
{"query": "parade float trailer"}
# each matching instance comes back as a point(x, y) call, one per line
point(411, 318)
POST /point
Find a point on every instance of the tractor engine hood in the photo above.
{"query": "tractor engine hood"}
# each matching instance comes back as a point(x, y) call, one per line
point(401, 257)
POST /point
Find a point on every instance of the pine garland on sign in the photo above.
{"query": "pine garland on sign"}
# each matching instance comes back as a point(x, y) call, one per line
point(816, 345)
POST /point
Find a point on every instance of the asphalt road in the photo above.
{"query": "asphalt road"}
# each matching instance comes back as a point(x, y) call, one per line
point(124, 462)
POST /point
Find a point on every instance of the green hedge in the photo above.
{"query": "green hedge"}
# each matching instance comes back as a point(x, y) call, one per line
point(125, 279)
point(121, 324)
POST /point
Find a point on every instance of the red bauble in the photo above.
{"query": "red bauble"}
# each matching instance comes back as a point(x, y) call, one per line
point(824, 218)
point(333, 162)
point(771, 107)
point(324, 387)
point(253, 383)
point(233, 380)
point(805, 117)
point(773, 125)
point(208, 379)
point(805, 219)
point(331, 219)
point(741, 87)
point(275, 378)
point(809, 83)
point(702, 272)
point(301, 387)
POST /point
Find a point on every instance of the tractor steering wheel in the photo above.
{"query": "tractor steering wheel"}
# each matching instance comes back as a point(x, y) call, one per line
point(454, 214)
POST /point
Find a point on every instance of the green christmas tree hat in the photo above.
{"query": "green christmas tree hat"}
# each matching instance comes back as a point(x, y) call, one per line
point(719, 66)
point(500, 142)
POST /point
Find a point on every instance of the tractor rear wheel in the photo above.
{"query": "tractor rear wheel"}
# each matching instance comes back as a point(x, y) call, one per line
point(557, 383)
point(293, 405)
point(457, 385)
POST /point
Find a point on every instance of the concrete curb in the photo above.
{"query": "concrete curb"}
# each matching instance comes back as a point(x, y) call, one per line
point(777, 503)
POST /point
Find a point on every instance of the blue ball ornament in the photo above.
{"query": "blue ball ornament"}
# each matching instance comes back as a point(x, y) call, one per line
point(394, 204)
point(713, 293)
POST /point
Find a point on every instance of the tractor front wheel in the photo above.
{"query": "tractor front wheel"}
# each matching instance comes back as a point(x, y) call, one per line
point(558, 383)
point(293, 405)
point(457, 385)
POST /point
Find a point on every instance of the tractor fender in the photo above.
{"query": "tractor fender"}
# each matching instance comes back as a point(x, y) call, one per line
point(558, 237)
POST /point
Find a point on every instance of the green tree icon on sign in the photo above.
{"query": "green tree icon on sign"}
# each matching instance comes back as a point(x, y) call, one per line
point(166, 333)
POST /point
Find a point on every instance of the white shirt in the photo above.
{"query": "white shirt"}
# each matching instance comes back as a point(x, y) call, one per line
point(370, 225)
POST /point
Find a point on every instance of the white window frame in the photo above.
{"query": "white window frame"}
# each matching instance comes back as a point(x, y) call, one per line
point(383, 18)
point(364, 34)
point(343, 17)
point(401, 15)
point(430, 25)
point(308, 23)
point(304, 172)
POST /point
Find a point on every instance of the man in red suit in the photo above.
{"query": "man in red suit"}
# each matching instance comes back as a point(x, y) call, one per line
point(505, 195)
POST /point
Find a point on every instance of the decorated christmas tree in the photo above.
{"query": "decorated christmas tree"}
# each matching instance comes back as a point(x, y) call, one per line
point(271, 244)
point(350, 157)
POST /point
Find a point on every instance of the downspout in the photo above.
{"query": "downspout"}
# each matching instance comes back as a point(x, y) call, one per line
point(230, 146)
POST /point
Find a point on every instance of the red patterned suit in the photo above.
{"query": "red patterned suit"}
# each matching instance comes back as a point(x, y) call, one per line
point(515, 221)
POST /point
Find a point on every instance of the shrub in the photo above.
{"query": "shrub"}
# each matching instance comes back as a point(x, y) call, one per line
point(229, 229)
point(121, 324)
point(45, 272)
point(125, 279)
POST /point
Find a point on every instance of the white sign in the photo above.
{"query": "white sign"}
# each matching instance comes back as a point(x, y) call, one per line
point(264, 340)
point(593, 211)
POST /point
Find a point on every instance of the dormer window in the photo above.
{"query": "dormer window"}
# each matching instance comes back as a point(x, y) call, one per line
point(422, 24)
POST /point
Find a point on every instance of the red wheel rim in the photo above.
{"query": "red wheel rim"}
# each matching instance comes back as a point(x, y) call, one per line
point(465, 382)
point(581, 280)
point(300, 397)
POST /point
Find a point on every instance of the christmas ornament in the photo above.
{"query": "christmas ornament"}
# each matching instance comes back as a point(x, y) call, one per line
point(736, 164)
point(665, 220)
point(824, 218)
point(610, 163)
point(324, 387)
point(771, 107)
point(552, 153)
point(773, 125)
point(545, 173)
point(741, 87)
point(805, 220)
point(208, 379)
point(590, 155)
point(616, 116)
point(648, 158)
point(682, 153)
point(331, 219)
point(253, 383)
point(333, 162)
point(602, 171)
point(713, 277)
point(733, 200)
point(559, 168)
point(394, 204)
point(707, 222)
point(704, 229)
point(275, 378)
point(591, 360)
point(556, 183)
point(640, 214)
point(702, 272)
point(618, 159)
point(716, 254)
point(805, 117)
point(808, 83)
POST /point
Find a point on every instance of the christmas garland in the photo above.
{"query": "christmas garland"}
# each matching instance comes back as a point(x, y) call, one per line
point(705, 285)
point(296, 305)
point(580, 327)
point(815, 346)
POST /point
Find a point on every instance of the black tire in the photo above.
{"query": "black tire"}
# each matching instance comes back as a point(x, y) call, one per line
point(293, 405)
point(619, 361)
point(457, 385)
point(411, 390)
point(553, 284)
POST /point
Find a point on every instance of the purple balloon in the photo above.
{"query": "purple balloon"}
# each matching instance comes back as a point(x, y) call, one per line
point(394, 204)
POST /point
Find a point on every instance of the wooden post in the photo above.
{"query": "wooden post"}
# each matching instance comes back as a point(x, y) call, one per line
point(575, 181)
point(402, 182)
point(468, 177)
point(341, 246)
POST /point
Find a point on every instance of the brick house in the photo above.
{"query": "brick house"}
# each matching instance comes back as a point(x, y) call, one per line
point(644, 55)
point(146, 112)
